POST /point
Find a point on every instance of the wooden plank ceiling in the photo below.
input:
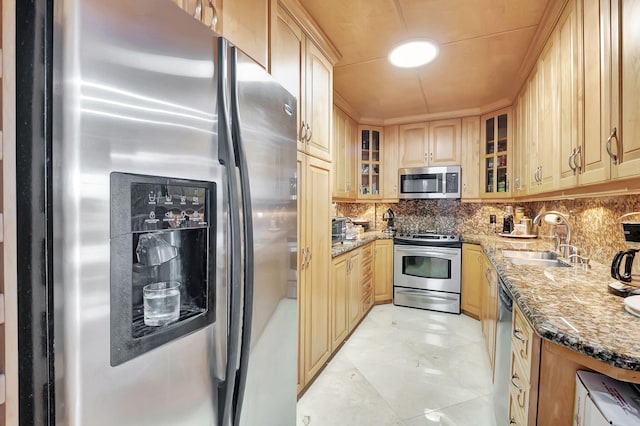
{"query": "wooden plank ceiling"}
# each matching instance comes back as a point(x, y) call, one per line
point(482, 46)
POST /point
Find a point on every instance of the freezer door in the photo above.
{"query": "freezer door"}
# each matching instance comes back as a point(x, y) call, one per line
point(134, 92)
point(265, 122)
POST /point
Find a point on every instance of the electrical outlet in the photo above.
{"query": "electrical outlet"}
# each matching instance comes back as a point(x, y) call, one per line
point(492, 218)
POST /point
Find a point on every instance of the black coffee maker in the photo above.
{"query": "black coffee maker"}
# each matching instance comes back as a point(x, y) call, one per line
point(626, 265)
point(389, 217)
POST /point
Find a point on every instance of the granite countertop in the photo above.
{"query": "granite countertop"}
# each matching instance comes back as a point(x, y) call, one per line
point(568, 306)
point(362, 239)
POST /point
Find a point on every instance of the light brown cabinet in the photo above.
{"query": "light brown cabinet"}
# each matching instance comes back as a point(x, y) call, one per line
point(489, 311)
point(341, 277)
point(495, 154)
point(525, 364)
point(470, 158)
point(472, 280)
point(314, 260)
point(367, 279)
point(383, 276)
point(390, 164)
point(543, 150)
point(206, 11)
point(243, 22)
point(370, 164)
point(437, 143)
point(612, 88)
point(344, 156)
point(354, 308)
point(577, 113)
point(299, 65)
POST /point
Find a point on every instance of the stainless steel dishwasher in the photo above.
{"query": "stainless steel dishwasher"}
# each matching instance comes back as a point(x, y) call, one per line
point(502, 376)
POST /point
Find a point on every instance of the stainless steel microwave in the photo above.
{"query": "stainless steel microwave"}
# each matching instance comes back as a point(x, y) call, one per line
point(429, 182)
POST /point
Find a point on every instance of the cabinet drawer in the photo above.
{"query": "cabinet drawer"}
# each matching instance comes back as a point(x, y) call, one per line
point(367, 253)
point(522, 339)
point(367, 273)
point(366, 304)
point(516, 415)
point(519, 387)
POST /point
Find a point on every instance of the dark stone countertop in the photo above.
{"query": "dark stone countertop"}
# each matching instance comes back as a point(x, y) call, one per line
point(362, 240)
point(568, 306)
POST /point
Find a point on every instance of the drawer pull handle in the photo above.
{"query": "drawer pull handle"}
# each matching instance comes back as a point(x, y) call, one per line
point(517, 335)
point(512, 421)
point(515, 377)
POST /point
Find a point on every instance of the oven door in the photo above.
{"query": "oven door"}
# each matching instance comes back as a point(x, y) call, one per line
point(427, 267)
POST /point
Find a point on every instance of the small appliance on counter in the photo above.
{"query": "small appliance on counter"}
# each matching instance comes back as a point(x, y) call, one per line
point(338, 230)
point(389, 217)
point(626, 265)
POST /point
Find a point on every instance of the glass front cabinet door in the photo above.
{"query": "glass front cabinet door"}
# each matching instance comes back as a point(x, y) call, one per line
point(496, 154)
point(369, 163)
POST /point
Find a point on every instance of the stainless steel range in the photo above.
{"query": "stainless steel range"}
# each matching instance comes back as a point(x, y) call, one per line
point(426, 271)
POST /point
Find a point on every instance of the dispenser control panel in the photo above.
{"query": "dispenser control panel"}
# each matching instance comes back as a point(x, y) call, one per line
point(156, 207)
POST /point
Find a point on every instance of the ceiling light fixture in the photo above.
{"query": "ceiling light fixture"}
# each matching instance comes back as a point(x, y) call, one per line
point(413, 53)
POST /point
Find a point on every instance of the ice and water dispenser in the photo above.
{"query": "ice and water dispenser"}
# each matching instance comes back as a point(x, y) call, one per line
point(162, 261)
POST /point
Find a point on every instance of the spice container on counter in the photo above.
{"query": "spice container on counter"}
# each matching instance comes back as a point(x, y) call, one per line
point(519, 214)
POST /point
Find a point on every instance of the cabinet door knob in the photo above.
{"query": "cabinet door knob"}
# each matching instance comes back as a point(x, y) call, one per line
point(572, 164)
point(517, 334)
point(303, 132)
point(310, 133)
point(614, 157)
point(577, 161)
point(515, 377)
point(198, 12)
point(214, 17)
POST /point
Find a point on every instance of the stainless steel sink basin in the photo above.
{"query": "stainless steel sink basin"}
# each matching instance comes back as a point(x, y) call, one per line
point(530, 254)
point(547, 259)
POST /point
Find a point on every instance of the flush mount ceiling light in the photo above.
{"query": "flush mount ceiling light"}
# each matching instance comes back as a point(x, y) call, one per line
point(413, 53)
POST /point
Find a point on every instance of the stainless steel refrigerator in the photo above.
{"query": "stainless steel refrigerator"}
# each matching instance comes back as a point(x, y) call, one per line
point(151, 151)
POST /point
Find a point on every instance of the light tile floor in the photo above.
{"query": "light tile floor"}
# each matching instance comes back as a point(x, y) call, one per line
point(404, 367)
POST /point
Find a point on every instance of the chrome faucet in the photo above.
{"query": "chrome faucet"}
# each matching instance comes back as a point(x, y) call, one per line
point(566, 243)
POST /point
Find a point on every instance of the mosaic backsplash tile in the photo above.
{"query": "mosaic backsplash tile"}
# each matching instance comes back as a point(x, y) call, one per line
point(595, 224)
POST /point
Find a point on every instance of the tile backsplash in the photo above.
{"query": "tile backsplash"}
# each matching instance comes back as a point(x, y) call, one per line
point(595, 224)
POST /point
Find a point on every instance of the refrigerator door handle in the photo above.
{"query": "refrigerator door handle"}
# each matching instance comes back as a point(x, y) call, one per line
point(226, 153)
point(247, 215)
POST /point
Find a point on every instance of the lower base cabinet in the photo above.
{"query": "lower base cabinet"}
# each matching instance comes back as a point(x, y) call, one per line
point(525, 363)
point(489, 310)
point(350, 297)
point(383, 276)
point(472, 282)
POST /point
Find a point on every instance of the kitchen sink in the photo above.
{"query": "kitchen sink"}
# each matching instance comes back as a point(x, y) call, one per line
point(546, 259)
point(530, 254)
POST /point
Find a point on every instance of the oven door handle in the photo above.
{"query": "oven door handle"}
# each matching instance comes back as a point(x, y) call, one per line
point(422, 252)
point(430, 295)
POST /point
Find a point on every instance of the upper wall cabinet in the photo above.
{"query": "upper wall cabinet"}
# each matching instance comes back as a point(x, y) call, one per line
point(495, 154)
point(390, 164)
point(370, 164)
point(299, 65)
point(612, 90)
point(344, 155)
point(243, 22)
point(437, 143)
point(246, 26)
point(470, 158)
point(209, 12)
